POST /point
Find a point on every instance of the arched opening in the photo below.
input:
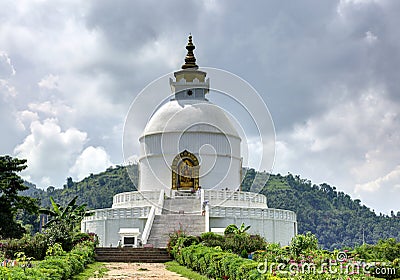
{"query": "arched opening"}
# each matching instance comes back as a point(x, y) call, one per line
point(185, 172)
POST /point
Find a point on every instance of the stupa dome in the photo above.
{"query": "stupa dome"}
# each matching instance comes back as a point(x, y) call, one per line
point(190, 115)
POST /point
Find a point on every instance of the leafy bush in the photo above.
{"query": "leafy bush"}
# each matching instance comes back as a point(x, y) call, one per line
point(233, 229)
point(212, 239)
point(239, 242)
point(34, 247)
point(301, 243)
point(83, 236)
point(235, 242)
point(173, 238)
point(54, 267)
point(55, 250)
point(60, 234)
point(215, 263)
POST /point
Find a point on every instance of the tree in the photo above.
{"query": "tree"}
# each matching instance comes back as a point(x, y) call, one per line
point(50, 189)
point(70, 183)
point(10, 201)
point(64, 221)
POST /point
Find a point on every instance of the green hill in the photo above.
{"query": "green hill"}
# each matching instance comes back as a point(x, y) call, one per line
point(335, 218)
point(96, 191)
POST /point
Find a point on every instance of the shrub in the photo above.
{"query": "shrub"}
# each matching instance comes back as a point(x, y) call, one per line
point(238, 242)
point(83, 236)
point(212, 239)
point(173, 238)
point(55, 250)
point(34, 247)
point(215, 263)
point(37, 246)
point(55, 267)
point(60, 234)
point(301, 243)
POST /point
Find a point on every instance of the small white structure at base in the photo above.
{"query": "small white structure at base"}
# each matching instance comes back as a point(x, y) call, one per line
point(129, 237)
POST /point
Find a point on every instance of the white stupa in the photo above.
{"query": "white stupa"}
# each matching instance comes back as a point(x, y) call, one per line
point(189, 175)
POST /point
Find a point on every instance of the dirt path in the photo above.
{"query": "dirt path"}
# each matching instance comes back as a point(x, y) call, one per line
point(138, 271)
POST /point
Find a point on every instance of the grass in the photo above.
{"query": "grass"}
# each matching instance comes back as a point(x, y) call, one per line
point(96, 269)
point(184, 271)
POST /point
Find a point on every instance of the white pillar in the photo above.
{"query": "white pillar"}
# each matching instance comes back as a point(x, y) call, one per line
point(207, 219)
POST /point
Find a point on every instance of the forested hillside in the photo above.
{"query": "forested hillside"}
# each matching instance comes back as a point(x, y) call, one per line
point(96, 191)
point(335, 218)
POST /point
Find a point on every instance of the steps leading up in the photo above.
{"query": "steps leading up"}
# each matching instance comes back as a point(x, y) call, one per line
point(165, 224)
point(146, 255)
point(182, 204)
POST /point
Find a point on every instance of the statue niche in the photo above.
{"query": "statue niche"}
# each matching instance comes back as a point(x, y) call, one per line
point(185, 172)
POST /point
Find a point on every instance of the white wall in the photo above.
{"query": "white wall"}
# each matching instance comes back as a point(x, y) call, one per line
point(275, 225)
point(106, 223)
point(220, 162)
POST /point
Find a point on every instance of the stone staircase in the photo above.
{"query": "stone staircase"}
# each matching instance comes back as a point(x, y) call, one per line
point(182, 204)
point(146, 255)
point(179, 213)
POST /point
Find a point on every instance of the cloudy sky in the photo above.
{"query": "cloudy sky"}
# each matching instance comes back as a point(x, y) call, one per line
point(328, 71)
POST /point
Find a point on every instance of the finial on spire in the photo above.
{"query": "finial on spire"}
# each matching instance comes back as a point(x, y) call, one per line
point(190, 60)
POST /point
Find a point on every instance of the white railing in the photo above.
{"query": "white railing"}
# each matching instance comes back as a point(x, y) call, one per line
point(228, 198)
point(267, 213)
point(118, 213)
point(155, 210)
point(135, 198)
point(149, 224)
point(160, 204)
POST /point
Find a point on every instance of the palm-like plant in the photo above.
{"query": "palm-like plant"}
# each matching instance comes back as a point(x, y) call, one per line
point(233, 229)
point(243, 228)
point(66, 217)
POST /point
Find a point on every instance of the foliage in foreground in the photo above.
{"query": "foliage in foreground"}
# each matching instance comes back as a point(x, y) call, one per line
point(57, 265)
point(64, 222)
point(184, 271)
point(234, 241)
point(96, 269)
point(301, 260)
point(36, 246)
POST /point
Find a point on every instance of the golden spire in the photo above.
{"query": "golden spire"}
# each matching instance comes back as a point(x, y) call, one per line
point(190, 60)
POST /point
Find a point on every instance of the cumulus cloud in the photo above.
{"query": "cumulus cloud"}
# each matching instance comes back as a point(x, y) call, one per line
point(25, 118)
point(49, 82)
point(91, 160)
point(50, 108)
point(50, 151)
